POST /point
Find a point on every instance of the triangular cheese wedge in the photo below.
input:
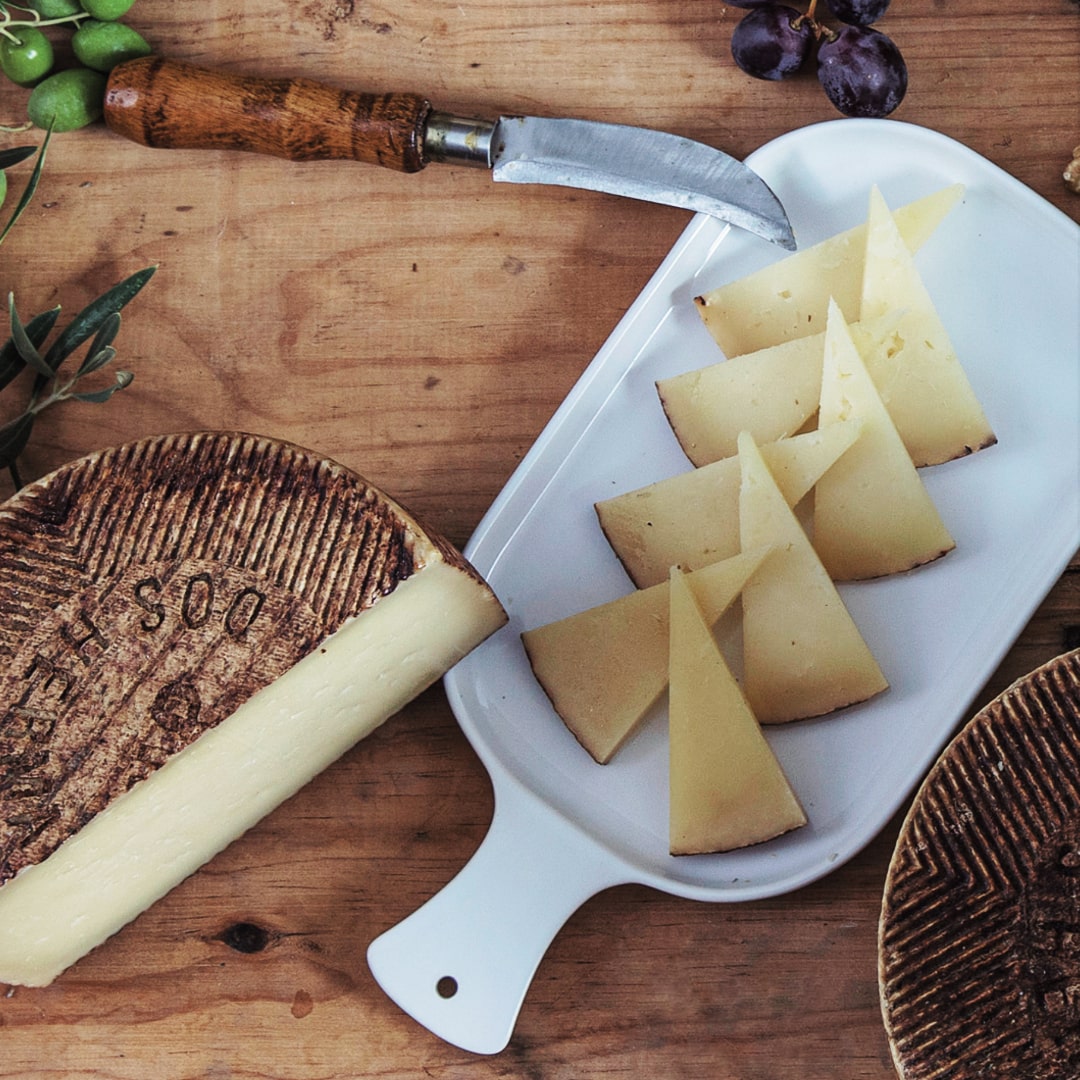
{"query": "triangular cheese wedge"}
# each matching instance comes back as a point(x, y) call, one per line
point(692, 519)
point(771, 393)
point(909, 354)
point(789, 298)
point(727, 789)
point(803, 655)
point(604, 668)
point(872, 513)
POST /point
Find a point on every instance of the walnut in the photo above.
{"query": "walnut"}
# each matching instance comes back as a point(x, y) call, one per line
point(1072, 171)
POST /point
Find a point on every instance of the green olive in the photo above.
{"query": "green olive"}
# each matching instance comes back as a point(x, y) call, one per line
point(103, 45)
point(54, 9)
point(26, 58)
point(107, 10)
point(68, 100)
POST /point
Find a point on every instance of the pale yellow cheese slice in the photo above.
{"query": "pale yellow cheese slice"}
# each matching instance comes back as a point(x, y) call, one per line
point(771, 393)
point(605, 667)
point(909, 353)
point(692, 519)
point(727, 789)
point(872, 513)
point(803, 655)
point(789, 298)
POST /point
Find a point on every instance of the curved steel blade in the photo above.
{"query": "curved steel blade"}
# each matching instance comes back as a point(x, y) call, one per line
point(638, 163)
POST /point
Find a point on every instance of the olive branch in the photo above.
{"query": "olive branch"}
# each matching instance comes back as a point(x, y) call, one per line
point(30, 17)
point(98, 323)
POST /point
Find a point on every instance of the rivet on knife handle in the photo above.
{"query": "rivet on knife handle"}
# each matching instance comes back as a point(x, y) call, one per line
point(167, 103)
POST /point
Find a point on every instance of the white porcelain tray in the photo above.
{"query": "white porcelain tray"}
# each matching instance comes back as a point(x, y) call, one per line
point(1004, 271)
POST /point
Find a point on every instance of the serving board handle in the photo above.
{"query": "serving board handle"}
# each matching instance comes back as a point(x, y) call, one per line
point(462, 963)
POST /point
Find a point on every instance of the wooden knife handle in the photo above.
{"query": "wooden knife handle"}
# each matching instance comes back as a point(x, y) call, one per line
point(166, 103)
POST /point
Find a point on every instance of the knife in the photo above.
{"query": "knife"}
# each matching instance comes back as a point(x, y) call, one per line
point(167, 103)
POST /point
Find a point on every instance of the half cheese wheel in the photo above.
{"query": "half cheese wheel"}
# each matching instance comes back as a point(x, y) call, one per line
point(193, 626)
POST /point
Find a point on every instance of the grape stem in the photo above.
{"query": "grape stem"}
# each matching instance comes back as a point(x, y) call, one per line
point(819, 29)
point(8, 21)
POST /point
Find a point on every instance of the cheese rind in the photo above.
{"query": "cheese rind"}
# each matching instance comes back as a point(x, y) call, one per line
point(789, 298)
point(727, 789)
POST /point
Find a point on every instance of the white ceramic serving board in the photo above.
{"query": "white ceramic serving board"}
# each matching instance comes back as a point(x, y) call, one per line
point(1004, 272)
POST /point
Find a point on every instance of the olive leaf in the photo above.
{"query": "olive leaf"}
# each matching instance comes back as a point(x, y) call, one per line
point(101, 350)
point(37, 330)
point(31, 184)
point(95, 360)
point(92, 317)
point(14, 436)
point(15, 154)
point(123, 378)
point(24, 346)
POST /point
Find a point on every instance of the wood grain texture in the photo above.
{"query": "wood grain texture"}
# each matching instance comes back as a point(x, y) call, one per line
point(422, 329)
point(167, 104)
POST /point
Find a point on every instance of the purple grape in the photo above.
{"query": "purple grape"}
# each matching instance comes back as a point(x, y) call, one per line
point(858, 12)
point(862, 71)
point(772, 41)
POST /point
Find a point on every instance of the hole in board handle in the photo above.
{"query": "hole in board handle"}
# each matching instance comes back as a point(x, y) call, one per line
point(446, 987)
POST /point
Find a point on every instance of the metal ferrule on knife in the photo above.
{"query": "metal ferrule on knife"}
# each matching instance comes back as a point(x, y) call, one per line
point(459, 140)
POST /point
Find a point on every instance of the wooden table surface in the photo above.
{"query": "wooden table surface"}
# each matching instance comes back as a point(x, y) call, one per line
point(422, 330)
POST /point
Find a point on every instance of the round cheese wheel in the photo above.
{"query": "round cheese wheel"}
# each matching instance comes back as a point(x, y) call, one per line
point(980, 931)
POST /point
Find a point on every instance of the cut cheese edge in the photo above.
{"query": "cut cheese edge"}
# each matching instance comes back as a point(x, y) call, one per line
point(727, 789)
point(771, 393)
point(604, 668)
point(909, 353)
point(873, 515)
point(789, 298)
point(204, 622)
point(692, 519)
point(803, 654)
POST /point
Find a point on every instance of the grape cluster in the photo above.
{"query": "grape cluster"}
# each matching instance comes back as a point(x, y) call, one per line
point(70, 95)
point(860, 69)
